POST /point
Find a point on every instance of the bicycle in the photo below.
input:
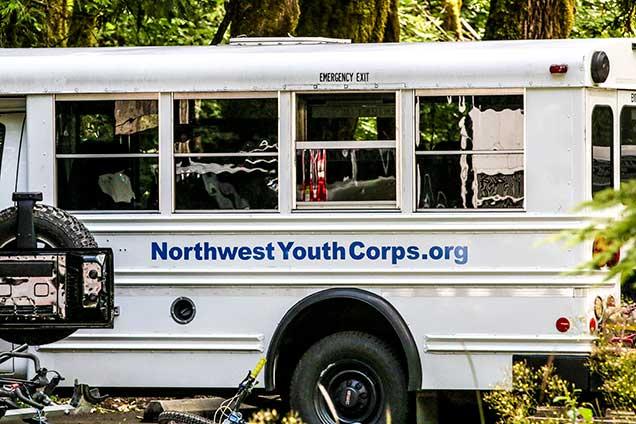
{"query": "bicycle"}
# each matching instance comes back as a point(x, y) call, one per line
point(227, 413)
point(30, 400)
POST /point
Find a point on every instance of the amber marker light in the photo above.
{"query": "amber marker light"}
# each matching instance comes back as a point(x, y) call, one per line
point(601, 246)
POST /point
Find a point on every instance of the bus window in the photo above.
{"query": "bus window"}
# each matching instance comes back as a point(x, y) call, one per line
point(469, 153)
point(602, 148)
point(3, 131)
point(226, 154)
point(628, 143)
point(345, 150)
point(107, 155)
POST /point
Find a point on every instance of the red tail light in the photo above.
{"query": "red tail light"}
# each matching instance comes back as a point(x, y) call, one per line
point(558, 69)
point(562, 324)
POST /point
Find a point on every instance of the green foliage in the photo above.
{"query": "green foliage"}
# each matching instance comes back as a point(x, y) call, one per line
point(577, 414)
point(21, 24)
point(417, 24)
point(617, 226)
point(424, 20)
point(272, 417)
point(602, 18)
point(60, 23)
point(617, 369)
point(196, 25)
point(530, 389)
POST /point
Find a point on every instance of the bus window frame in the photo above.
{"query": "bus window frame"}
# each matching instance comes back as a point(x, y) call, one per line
point(229, 95)
point(471, 92)
point(389, 206)
point(87, 97)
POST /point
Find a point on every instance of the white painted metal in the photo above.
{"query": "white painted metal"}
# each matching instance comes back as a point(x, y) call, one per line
point(40, 151)
point(491, 64)
point(12, 119)
point(467, 318)
point(269, 41)
point(166, 158)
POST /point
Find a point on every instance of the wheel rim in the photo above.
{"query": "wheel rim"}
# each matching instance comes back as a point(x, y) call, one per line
point(355, 391)
point(41, 243)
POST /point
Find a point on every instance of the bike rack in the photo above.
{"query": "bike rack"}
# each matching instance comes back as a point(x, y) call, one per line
point(26, 240)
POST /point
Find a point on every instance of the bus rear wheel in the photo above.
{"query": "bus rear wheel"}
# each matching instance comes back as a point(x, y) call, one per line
point(362, 381)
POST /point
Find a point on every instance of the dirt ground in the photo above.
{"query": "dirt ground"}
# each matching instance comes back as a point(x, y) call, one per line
point(97, 417)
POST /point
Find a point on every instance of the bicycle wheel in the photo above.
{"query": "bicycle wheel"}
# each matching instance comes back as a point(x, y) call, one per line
point(175, 417)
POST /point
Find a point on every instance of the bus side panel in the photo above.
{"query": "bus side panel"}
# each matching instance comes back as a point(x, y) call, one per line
point(555, 150)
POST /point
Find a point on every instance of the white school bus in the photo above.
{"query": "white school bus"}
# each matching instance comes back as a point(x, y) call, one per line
point(368, 217)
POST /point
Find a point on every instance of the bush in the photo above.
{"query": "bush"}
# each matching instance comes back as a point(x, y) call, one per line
point(271, 417)
point(530, 389)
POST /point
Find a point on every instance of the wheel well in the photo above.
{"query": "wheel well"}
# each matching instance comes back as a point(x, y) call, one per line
point(310, 323)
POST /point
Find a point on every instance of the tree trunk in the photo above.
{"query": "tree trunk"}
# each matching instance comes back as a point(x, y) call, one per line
point(363, 21)
point(82, 27)
point(56, 30)
point(263, 18)
point(452, 18)
point(529, 19)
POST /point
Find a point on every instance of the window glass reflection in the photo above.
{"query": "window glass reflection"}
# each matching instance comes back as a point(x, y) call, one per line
point(345, 117)
point(628, 143)
point(107, 154)
point(226, 183)
point(345, 175)
point(470, 181)
point(3, 131)
point(471, 123)
point(602, 148)
point(490, 130)
point(226, 154)
point(107, 126)
point(89, 184)
point(226, 125)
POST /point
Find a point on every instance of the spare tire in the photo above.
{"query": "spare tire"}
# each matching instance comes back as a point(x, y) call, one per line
point(54, 228)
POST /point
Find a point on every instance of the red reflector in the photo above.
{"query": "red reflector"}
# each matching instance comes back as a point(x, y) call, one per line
point(558, 69)
point(563, 324)
point(592, 326)
point(616, 258)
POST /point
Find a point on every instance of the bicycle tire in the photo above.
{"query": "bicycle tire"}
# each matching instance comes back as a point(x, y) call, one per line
point(175, 417)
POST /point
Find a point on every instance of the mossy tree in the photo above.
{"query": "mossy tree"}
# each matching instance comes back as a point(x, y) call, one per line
point(452, 18)
point(363, 21)
point(523, 19)
point(258, 18)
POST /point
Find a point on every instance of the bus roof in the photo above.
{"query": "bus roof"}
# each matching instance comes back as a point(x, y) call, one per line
point(486, 64)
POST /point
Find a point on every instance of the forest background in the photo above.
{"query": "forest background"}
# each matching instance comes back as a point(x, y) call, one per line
point(74, 23)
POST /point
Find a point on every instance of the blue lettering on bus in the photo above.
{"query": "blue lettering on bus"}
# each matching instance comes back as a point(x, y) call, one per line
point(293, 251)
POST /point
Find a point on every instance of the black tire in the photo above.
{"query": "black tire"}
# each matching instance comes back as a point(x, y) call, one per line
point(174, 417)
point(53, 228)
point(355, 368)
